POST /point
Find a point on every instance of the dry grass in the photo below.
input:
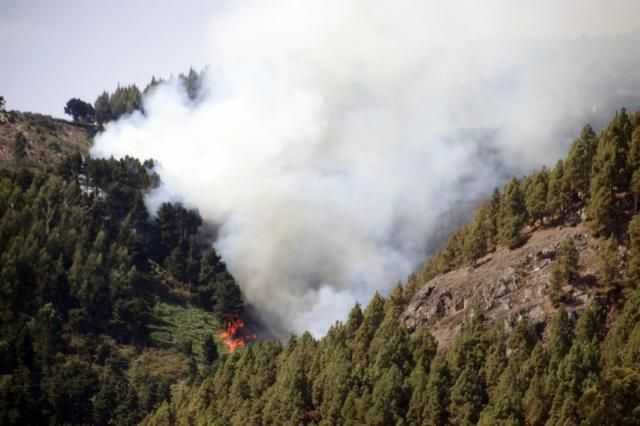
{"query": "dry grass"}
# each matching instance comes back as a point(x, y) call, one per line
point(505, 285)
point(49, 139)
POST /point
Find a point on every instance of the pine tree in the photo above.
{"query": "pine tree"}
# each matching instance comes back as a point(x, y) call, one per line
point(608, 266)
point(602, 206)
point(580, 161)
point(418, 381)
point(557, 194)
point(492, 217)
point(468, 396)
point(610, 174)
point(19, 147)
point(564, 271)
point(354, 321)
point(209, 350)
point(475, 244)
point(372, 318)
point(103, 109)
point(512, 214)
point(192, 83)
point(496, 360)
point(536, 196)
point(175, 263)
point(436, 407)
point(534, 402)
point(506, 405)
point(228, 298)
point(618, 136)
point(554, 291)
point(568, 260)
point(560, 336)
point(290, 398)
point(387, 399)
point(602, 211)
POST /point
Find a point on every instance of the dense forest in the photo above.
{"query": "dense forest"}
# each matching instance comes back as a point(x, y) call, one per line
point(104, 307)
point(112, 314)
point(578, 369)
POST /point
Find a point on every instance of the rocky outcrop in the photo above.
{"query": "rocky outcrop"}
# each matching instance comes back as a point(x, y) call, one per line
point(506, 285)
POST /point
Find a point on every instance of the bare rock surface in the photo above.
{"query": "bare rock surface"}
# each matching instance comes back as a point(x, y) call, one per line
point(505, 285)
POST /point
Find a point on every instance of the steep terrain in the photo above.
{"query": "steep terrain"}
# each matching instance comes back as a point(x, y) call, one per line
point(47, 140)
point(505, 285)
point(529, 315)
point(109, 315)
point(105, 310)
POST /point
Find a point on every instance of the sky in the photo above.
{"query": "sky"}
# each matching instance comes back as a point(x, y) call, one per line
point(54, 50)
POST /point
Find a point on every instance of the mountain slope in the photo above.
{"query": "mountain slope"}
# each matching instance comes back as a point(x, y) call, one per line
point(519, 319)
point(47, 140)
point(505, 285)
point(105, 311)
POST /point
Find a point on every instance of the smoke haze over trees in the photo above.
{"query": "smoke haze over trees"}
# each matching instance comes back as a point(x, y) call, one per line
point(329, 146)
point(358, 212)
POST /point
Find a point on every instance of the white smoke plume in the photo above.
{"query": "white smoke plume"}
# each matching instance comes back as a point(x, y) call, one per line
point(336, 136)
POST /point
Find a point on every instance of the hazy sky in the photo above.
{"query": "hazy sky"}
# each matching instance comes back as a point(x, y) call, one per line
point(54, 50)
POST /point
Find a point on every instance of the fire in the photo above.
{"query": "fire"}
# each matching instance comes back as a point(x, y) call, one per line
point(232, 335)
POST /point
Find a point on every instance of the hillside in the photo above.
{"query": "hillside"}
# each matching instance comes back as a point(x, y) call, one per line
point(105, 310)
point(47, 140)
point(506, 285)
point(530, 314)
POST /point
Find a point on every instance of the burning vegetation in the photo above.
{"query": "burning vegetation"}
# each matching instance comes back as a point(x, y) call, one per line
point(235, 334)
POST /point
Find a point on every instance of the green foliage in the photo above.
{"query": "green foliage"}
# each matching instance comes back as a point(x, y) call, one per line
point(371, 370)
point(558, 193)
point(569, 374)
point(209, 350)
point(580, 161)
point(172, 324)
point(475, 244)
point(512, 214)
point(19, 147)
point(81, 111)
point(128, 99)
point(228, 299)
point(110, 314)
point(192, 83)
point(602, 211)
point(611, 175)
point(92, 326)
point(536, 196)
point(124, 100)
point(554, 291)
point(103, 109)
point(609, 266)
point(565, 270)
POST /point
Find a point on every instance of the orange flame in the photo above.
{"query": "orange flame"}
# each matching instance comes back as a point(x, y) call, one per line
point(232, 337)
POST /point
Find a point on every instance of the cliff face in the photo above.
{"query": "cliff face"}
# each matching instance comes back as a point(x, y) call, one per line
point(505, 285)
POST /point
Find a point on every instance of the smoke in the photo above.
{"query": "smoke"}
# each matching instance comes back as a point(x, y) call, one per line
point(336, 139)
